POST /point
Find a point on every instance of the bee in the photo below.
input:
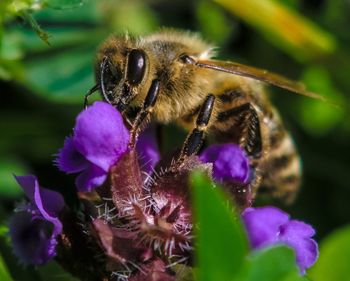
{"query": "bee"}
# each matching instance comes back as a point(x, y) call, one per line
point(171, 76)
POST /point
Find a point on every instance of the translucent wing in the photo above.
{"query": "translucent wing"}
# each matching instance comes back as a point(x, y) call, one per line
point(257, 74)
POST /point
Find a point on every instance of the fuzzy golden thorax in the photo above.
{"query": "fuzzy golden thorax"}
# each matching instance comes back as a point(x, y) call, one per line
point(183, 87)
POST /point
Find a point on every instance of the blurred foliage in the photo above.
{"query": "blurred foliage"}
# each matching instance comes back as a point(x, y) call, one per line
point(8, 186)
point(43, 80)
point(222, 246)
point(4, 274)
point(54, 272)
point(333, 263)
point(324, 116)
point(223, 238)
point(283, 27)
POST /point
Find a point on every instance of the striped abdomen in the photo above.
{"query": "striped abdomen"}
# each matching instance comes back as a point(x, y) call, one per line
point(281, 171)
point(245, 116)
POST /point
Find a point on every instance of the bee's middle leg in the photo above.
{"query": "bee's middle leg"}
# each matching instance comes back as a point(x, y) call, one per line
point(195, 138)
point(145, 111)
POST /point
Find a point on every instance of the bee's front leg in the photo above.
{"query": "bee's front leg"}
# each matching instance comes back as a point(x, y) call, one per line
point(194, 140)
point(145, 110)
point(89, 93)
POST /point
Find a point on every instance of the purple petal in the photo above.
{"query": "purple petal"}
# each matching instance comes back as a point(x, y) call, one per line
point(32, 239)
point(229, 162)
point(100, 135)
point(34, 231)
point(69, 160)
point(298, 235)
point(28, 184)
point(263, 225)
point(90, 178)
point(268, 225)
point(48, 202)
point(147, 149)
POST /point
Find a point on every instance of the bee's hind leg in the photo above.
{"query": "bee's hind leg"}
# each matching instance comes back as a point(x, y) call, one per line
point(195, 138)
point(145, 111)
point(247, 119)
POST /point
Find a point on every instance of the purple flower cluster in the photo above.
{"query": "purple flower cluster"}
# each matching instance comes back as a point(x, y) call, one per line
point(140, 214)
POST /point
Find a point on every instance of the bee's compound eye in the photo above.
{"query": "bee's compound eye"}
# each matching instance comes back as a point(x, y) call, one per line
point(136, 66)
point(184, 58)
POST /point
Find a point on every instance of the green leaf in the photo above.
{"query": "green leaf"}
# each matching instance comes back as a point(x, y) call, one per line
point(63, 70)
point(221, 241)
point(10, 69)
point(36, 27)
point(4, 273)
point(315, 116)
point(9, 188)
point(333, 263)
point(66, 76)
point(10, 48)
point(54, 272)
point(64, 4)
point(283, 27)
point(4, 231)
point(134, 16)
point(10, 55)
point(214, 24)
point(271, 264)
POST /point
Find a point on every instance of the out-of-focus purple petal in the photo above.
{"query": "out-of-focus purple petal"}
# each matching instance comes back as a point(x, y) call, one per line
point(90, 178)
point(32, 239)
point(100, 135)
point(268, 226)
point(298, 235)
point(147, 149)
point(28, 184)
point(69, 160)
point(48, 202)
point(263, 225)
point(35, 228)
point(229, 162)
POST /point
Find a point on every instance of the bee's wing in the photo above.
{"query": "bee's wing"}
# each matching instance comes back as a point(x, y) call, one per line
point(258, 74)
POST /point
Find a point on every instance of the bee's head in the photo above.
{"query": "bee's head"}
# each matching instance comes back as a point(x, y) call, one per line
point(120, 71)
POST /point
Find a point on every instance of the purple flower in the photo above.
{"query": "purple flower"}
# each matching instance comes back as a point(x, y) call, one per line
point(99, 140)
point(147, 149)
point(230, 163)
point(267, 226)
point(35, 226)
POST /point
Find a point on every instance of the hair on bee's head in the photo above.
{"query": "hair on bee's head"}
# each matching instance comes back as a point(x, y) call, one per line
point(121, 71)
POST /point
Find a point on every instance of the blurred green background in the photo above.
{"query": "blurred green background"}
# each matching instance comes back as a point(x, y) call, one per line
point(46, 54)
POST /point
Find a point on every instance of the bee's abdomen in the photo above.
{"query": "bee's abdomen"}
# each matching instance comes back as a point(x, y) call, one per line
point(281, 171)
point(250, 120)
